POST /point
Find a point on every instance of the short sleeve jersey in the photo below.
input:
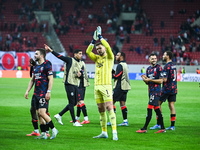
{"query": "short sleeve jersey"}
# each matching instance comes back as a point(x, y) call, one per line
point(41, 73)
point(170, 72)
point(154, 72)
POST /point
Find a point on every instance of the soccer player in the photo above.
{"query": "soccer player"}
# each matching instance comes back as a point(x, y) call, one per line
point(169, 89)
point(153, 79)
point(43, 79)
point(104, 61)
point(71, 81)
point(33, 109)
point(121, 86)
point(84, 82)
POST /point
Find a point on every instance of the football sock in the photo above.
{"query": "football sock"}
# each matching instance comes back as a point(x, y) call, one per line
point(77, 118)
point(157, 120)
point(42, 128)
point(35, 123)
point(86, 118)
point(112, 118)
point(148, 118)
point(114, 108)
point(84, 110)
point(50, 124)
point(160, 117)
point(124, 112)
point(36, 131)
point(47, 128)
point(173, 118)
point(103, 121)
point(78, 110)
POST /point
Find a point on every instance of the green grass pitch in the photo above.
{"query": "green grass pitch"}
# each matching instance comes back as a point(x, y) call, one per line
point(15, 120)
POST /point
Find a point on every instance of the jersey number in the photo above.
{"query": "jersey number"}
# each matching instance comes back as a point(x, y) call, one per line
point(174, 79)
point(42, 101)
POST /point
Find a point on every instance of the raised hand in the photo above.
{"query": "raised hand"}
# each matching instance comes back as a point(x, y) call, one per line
point(95, 36)
point(48, 49)
point(98, 30)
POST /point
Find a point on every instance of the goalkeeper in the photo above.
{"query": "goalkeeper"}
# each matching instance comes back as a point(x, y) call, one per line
point(104, 60)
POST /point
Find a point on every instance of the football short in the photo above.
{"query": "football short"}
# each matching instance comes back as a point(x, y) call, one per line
point(119, 95)
point(72, 93)
point(154, 100)
point(39, 102)
point(81, 93)
point(169, 97)
point(103, 93)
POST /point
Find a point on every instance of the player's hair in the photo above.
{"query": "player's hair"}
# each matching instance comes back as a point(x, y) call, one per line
point(123, 54)
point(152, 54)
point(76, 51)
point(42, 51)
point(99, 43)
point(170, 54)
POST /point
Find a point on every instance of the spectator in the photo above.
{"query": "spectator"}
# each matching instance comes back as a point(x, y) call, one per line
point(62, 68)
point(19, 68)
point(127, 38)
point(198, 71)
point(180, 70)
point(150, 31)
point(71, 48)
point(90, 17)
point(138, 49)
point(143, 70)
point(131, 48)
point(155, 41)
point(162, 40)
point(171, 14)
point(183, 70)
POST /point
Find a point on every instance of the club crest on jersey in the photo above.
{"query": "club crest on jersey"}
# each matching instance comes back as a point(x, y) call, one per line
point(99, 65)
point(72, 93)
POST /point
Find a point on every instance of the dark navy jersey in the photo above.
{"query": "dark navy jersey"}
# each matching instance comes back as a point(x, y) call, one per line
point(169, 72)
point(154, 73)
point(41, 73)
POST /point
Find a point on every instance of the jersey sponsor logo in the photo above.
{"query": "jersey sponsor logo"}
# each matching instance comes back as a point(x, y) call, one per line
point(173, 67)
point(37, 75)
point(151, 98)
point(151, 76)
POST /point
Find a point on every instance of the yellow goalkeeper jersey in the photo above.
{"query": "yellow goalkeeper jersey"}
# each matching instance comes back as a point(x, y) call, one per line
point(103, 64)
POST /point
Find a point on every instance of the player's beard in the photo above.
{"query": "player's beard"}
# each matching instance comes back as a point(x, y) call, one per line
point(101, 54)
point(153, 63)
point(37, 59)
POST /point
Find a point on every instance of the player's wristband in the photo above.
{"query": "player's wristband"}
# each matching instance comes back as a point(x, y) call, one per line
point(93, 41)
point(48, 91)
point(100, 37)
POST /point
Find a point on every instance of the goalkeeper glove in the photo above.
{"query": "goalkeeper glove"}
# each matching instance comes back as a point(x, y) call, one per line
point(99, 32)
point(95, 36)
